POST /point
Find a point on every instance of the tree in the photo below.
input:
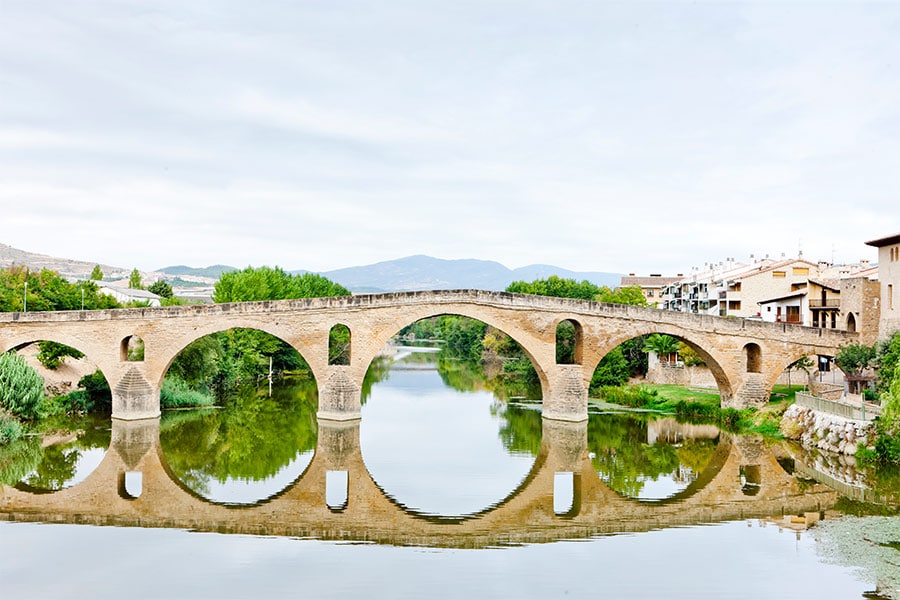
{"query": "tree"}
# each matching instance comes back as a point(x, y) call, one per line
point(557, 287)
point(853, 359)
point(267, 283)
point(97, 273)
point(161, 288)
point(134, 280)
point(48, 291)
point(52, 354)
point(631, 295)
point(663, 345)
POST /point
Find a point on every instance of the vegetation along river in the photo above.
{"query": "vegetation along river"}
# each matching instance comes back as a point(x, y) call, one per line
point(449, 486)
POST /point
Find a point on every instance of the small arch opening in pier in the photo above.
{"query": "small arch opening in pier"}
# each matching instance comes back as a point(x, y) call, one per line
point(131, 485)
point(565, 484)
point(568, 342)
point(337, 489)
point(132, 349)
point(753, 358)
point(751, 479)
point(339, 345)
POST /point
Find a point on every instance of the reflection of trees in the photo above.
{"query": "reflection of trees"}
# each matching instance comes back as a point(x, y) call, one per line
point(625, 461)
point(52, 467)
point(521, 430)
point(379, 370)
point(56, 469)
point(19, 459)
point(252, 438)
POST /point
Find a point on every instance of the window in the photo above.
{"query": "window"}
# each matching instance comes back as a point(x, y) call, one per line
point(779, 273)
point(800, 271)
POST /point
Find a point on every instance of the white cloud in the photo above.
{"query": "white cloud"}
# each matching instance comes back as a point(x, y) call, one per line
point(598, 136)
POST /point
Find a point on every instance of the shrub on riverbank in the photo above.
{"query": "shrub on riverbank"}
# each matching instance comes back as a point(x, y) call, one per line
point(21, 388)
point(176, 393)
point(693, 407)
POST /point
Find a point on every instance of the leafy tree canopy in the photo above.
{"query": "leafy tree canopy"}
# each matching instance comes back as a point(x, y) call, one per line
point(161, 288)
point(48, 291)
point(557, 287)
point(854, 358)
point(134, 280)
point(267, 283)
point(97, 273)
point(624, 295)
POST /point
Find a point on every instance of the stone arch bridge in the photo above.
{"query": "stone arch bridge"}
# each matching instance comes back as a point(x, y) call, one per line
point(745, 356)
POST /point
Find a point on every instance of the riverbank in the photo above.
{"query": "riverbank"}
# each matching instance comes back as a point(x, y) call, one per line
point(825, 431)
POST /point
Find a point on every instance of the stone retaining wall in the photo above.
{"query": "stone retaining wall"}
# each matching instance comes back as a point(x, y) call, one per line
point(824, 431)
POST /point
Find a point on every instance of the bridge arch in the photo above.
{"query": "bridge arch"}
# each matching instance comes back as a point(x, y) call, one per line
point(714, 359)
point(177, 345)
point(536, 349)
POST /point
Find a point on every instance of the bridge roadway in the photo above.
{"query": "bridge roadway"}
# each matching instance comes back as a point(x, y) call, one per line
point(745, 356)
point(526, 515)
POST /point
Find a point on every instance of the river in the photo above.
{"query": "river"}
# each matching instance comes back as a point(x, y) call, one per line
point(446, 488)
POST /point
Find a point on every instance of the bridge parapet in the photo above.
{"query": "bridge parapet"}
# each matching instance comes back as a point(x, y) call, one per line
point(372, 319)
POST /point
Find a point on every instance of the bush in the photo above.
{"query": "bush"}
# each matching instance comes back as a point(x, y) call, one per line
point(97, 395)
point(175, 393)
point(634, 396)
point(21, 388)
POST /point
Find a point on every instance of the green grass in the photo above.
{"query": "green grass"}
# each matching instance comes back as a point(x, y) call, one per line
point(676, 393)
point(697, 405)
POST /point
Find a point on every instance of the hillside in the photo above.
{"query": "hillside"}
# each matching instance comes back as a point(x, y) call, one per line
point(428, 273)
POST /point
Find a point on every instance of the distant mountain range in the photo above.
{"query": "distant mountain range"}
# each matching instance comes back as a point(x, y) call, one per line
point(411, 273)
point(428, 273)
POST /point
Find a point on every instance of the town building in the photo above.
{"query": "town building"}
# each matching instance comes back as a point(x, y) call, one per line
point(652, 286)
point(126, 295)
point(889, 276)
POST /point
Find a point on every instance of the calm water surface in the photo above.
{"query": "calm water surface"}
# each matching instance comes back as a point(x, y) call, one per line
point(438, 446)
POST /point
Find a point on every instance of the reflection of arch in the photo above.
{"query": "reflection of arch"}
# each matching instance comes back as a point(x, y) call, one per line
point(161, 455)
point(529, 345)
point(339, 345)
point(533, 473)
point(715, 465)
point(753, 358)
point(569, 336)
point(131, 349)
point(851, 323)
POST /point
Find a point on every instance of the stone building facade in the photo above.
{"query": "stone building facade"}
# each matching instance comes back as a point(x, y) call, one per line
point(889, 276)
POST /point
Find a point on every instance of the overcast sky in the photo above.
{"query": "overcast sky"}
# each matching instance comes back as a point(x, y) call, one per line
point(609, 136)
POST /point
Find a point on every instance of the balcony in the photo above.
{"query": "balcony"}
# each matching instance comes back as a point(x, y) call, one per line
point(833, 303)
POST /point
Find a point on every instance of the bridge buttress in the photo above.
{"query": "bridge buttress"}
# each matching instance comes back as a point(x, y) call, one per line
point(566, 395)
point(339, 394)
point(133, 396)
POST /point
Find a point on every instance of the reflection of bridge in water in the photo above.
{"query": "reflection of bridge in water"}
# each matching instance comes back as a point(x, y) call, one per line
point(365, 513)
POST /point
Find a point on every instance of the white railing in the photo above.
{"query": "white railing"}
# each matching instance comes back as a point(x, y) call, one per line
point(857, 412)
